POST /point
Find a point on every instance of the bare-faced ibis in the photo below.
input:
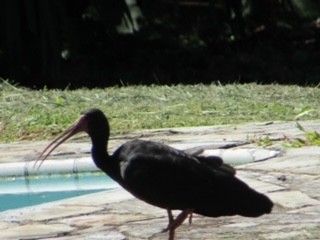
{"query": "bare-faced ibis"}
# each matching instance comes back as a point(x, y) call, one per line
point(166, 177)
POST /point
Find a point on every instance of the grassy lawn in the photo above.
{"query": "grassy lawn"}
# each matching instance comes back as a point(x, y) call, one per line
point(32, 115)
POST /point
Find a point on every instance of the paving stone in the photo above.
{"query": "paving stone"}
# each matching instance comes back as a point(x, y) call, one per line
point(101, 198)
point(112, 235)
point(302, 160)
point(6, 224)
point(288, 235)
point(290, 180)
point(261, 186)
point(292, 199)
point(35, 231)
point(46, 212)
point(107, 219)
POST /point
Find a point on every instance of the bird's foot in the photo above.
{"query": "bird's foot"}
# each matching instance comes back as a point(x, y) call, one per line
point(174, 223)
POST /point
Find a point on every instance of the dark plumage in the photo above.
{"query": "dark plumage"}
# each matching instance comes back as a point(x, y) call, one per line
point(168, 178)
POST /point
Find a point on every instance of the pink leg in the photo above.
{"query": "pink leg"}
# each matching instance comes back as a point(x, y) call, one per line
point(174, 223)
point(170, 220)
point(190, 218)
point(170, 216)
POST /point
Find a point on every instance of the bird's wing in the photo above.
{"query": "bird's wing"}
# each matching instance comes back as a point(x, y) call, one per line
point(169, 178)
point(216, 163)
point(166, 177)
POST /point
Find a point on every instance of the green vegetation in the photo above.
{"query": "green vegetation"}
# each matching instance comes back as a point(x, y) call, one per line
point(311, 138)
point(264, 141)
point(39, 114)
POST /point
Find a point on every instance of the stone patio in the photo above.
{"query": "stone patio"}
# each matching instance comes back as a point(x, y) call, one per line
point(291, 180)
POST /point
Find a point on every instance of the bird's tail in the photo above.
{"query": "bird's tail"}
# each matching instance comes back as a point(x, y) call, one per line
point(235, 198)
point(254, 204)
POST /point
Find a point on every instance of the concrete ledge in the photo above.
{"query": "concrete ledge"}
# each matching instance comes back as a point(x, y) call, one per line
point(49, 167)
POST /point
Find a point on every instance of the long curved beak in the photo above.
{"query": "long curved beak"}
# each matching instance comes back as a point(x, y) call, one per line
point(80, 126)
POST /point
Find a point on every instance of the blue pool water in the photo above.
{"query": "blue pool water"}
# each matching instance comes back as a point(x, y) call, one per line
point(17, 192)
point(13, 201)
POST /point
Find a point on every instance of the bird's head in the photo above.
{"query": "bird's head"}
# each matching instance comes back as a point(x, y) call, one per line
point(92, 121)
point(95, 124)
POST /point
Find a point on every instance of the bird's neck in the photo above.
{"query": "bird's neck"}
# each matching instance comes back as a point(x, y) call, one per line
point(104, 161)
point(99, 153)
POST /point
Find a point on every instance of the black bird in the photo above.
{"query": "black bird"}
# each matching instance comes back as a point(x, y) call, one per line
point(166, 177)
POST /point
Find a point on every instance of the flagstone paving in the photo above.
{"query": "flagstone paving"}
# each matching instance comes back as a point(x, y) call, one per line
point(291, 180)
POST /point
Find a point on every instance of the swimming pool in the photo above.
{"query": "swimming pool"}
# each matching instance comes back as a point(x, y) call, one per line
point(19, 192)
point(21, 185)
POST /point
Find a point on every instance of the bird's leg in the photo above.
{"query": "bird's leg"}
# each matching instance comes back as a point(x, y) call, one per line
point(177, 222)
point(170, 217)
point(180, 218)
point(190, 218)
point(171, 235)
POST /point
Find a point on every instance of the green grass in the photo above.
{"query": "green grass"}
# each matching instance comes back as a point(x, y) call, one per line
point(32, 115)
point(311, 138)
